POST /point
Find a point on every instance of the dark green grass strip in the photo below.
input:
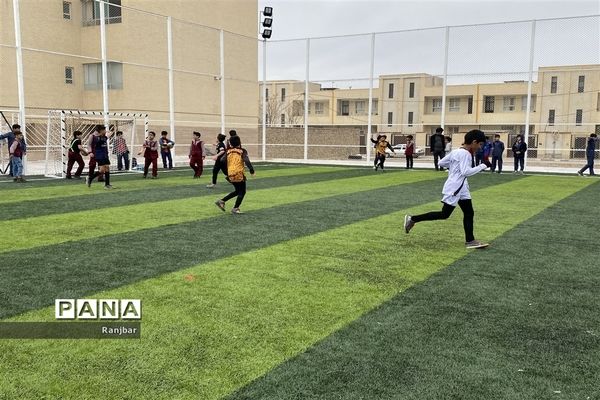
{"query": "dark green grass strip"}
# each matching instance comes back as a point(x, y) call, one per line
point(32, 279)
point(150, 193)
point(39, 181)
point(520, 320)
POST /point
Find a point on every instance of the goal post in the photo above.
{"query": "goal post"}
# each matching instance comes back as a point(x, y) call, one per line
point(62, 124)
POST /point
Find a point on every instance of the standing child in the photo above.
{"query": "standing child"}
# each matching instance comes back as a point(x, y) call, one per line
point(166, 145)
point(16, 157)
point(76, 149)
point(519, 149)
point(10, 137)
point(220, 149)
point(233, 162)
point(150, 151)
point(99, 143)
point(456, 189)
point(122, 152)
point(497, 151)
point(409, 151)
point(197, 155)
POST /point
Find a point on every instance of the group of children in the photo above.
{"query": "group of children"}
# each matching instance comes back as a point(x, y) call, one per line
point(17, 148)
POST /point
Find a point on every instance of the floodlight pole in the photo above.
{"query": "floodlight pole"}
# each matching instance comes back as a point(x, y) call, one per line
point(529, 84)
point(20, 80)
point(264, 102)
point(370, 116)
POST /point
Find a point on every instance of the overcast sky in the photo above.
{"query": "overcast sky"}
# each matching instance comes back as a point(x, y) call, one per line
point(482, 53)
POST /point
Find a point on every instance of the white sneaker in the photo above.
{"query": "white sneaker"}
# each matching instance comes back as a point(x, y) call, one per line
point(476, 244)
point(211, 185)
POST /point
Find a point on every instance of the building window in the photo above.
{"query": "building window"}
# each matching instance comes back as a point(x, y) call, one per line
point(391, 91)
point(359, 107)
point(267, 93)
point(282, 119)
point(319, 108)
point(470, 105)
point(509, 103)
point(390, 118)
point(452, 130)
point(411, 90)
point(553, 84)
point(282, 95)
point(454, 104)
point(92, 74)
point(374, 105)
point(66, 10)
point(551, 115)
point(581, 84)
point(69, 75)
point(344, 107)
point(488, 102)
point(578, 117)
point(91, 12)
point(436, 105)
point(410, 118)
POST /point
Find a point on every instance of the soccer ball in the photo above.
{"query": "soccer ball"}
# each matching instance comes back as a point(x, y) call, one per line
point(171, 144)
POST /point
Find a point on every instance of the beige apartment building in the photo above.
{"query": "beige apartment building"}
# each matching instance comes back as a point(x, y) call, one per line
point(62, 60)
point(565, 108)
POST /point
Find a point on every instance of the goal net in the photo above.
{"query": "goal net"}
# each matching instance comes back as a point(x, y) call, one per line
point(62, 124)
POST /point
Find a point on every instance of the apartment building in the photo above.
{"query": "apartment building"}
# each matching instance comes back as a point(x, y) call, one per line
point(564, 108)
point(62, 59)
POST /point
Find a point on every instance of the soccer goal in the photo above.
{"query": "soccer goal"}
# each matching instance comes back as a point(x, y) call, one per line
point(62, 124)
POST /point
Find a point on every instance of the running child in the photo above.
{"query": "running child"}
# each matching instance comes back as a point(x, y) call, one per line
point(380, 149)
point(220, 149)
point(456, 189)
point(376, 160)
point(233, 162)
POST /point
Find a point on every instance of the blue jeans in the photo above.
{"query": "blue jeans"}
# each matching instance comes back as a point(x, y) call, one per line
point(123, 159)
point(590, 164)
point(17, 166)
point(166, 156)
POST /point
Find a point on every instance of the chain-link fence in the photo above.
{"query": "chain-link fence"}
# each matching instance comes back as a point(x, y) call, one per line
point(484, 76)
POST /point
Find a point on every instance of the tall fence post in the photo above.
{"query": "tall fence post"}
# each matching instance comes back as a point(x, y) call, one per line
point(370, 116)
point(171, 90)
point(529, 85)
point(222, 72)
point(306, 99)
point(20, 81)
point(104, 63)
point(445, 84)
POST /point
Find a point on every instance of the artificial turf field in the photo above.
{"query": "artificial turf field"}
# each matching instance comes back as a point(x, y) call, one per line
point(315, 292)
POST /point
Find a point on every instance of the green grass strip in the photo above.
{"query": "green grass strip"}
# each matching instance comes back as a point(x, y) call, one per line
point(517, 321)
point(150, 193)
point(51, 229)
point(241, 316)
point(136, 182)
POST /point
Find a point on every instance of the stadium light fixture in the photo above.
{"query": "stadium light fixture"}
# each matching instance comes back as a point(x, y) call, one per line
point(267, 23)
point(266, 34)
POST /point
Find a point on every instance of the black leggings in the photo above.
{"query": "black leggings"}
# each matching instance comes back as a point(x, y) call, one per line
point(467, 208)
point(409, 162)
point(381, 160)
point(240, 192)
